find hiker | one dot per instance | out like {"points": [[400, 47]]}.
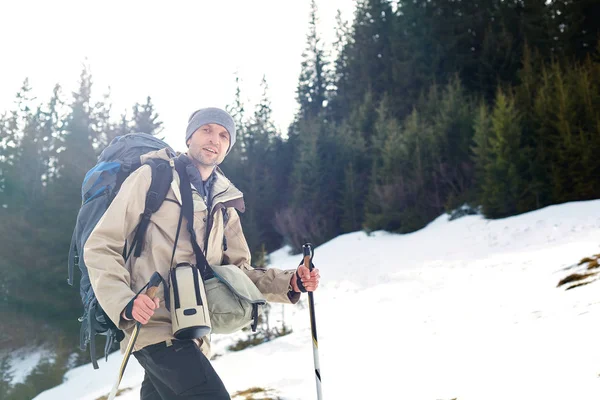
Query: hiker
{"points": [[174, 368]]}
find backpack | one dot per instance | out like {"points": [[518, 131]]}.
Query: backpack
{"points": [[100, 186]]}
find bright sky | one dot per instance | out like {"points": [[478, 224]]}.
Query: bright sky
{"points": [[466, 309], [184, 54]]}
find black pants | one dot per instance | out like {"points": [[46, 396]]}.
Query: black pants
{"points": [[179, 371]]}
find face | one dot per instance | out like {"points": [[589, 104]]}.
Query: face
{"points": [[208, 145]]}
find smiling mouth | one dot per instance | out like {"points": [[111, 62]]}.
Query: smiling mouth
{"points": [[210, 150]]}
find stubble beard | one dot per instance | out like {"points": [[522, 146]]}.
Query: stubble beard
{"points": [[199, 159]]}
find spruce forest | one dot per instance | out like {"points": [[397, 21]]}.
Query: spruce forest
{"points": [[418, 108]]}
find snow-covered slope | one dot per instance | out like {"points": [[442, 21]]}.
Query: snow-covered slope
{"points": [[467, 309]]}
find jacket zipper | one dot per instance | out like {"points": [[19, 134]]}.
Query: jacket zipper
{"points": [[209, 221]]}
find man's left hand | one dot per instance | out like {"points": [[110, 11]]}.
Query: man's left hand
{"points": [[310, 279]]}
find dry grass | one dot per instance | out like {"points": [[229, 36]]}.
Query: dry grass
{"points": [[578, 285], [255, 393], [592, 261], [120, 391], [575, 278], [584, 277]]}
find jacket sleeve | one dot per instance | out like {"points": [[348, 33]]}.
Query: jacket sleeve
{"points": [[103, 251], [273, 283]]}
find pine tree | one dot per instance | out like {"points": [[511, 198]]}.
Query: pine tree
{"points": [[339, 104], [310, 149], [15, 230], [538, 27], [579, 31], [259, 189], [145, 118], [481, 148], [452, 126], [120, 128], [503, 185], [387, 191], [537, 193], [30, 234], [370, 59], [101, 122], [32, 164], [567, 126], [76, 152], [313, 82], [256, 166], [11, 137], [234, 163]]}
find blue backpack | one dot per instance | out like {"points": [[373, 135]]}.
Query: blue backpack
{"points": [[100, 186]]}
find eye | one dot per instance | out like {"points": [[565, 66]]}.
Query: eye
{"points": [[205, 130], [224, 136]]}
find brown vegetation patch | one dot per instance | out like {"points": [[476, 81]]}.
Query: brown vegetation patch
{"points": [[592, 262], [578, 284], [253, 392], [575, 278], [583, 277], [120, 391]]}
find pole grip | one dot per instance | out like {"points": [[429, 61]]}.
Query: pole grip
{"points": [[307, 252], [153, 285], [151, 292]]}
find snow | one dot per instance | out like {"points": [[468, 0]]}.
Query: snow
{"points": [[467, 309], [23, 361]]}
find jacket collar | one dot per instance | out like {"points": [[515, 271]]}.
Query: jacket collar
{"points": [[223, 190]]}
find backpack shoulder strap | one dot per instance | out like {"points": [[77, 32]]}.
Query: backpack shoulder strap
{"points": [[162, 175], [187, 209]]}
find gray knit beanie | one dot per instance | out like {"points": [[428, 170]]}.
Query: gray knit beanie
{"points": [[211, 115]]}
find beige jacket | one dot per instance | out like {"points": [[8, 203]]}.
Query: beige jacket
{"points": [[115, 282]]}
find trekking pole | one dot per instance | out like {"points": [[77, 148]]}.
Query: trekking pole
{"points": [[309, 253], [155, 280]]}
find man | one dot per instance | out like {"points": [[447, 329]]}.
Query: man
{"points": [[176, 369]]}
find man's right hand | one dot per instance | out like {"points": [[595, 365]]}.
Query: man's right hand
{"points": [[143, 308]]}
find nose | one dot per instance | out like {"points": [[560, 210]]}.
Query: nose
{"points": [[213, 136]]}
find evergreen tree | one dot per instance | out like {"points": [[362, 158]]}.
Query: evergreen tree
{"points": [[578, 29], [313, 82], [503, 185], [234, 163], [452, 127], [11, 137], [370, 61], [481, 148], [538, 27], [145, 118], [386, 198], [567, 128], [339, 104], [258, 166], [354, 163], [307, 164], [120, 128], [100, 122], [76, 153], [537, 192], [14, 230], [259, 184], [29, 235]]}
